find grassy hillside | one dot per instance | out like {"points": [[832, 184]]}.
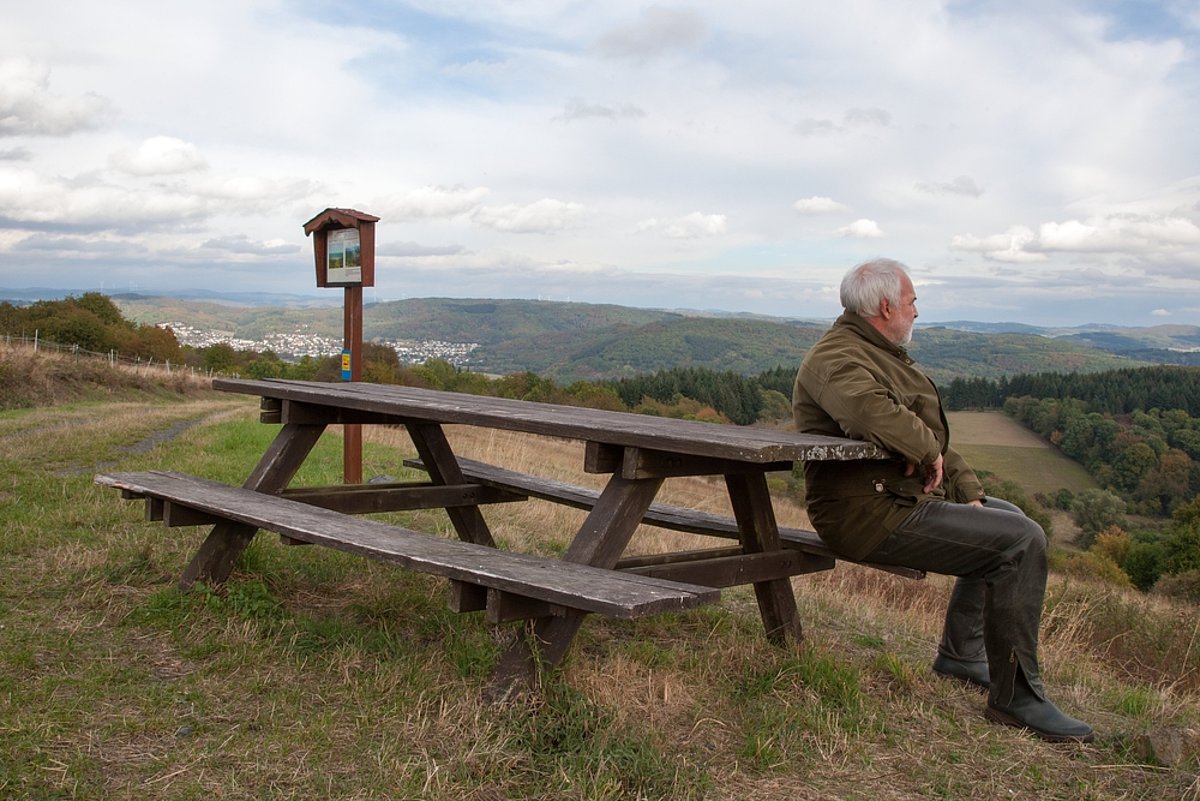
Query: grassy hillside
{"points": [[315, 674], [946, 353], [46, 378], [995, 442], [571, 341], [747, 347], [494, 321], [243, 321]]}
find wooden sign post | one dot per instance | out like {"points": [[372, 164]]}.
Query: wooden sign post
{"points": [[344, 249]]}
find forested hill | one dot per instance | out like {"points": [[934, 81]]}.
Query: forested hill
{"points": [[946, 353], [574, 341]]}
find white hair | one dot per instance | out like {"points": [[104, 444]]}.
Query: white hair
{"points": [[865, 286]]}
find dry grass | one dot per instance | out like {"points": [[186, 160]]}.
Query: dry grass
{"points": [[316, 674], [30, 378], [536, 523]]}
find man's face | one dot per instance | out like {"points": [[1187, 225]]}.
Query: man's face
{"points": [[900, 324]]}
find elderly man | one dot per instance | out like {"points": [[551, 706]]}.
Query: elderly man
{"points": [[925, 509]]}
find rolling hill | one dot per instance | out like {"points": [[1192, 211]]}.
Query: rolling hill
{"points": [[580, 341]]}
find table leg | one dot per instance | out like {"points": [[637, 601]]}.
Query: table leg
{"points": [[759, 532], [434, 450], [217, 554], [600, 542]]}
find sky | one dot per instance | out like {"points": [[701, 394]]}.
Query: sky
{"points": [[1031, 161]]}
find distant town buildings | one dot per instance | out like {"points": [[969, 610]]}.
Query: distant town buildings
{"points": [[297, 344]]}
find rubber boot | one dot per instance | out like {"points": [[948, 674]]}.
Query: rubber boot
{"points": [[973, 674], [961, 653], [1018, 701]]}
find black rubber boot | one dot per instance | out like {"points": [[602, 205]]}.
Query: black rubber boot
{"points": [[1016, 702], [961, 652], [974, 674]]}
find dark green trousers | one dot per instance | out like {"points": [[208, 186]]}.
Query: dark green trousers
{"points": [[995, 609]]}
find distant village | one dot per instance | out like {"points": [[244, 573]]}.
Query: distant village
{"points": [[297, 344]]}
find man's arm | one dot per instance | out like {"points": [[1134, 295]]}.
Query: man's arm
{"points": [[864, 409], [962, 484]]}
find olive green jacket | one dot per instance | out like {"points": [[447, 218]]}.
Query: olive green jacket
{"points": [[855, 383]]}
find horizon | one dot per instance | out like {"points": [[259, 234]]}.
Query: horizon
{"points": [[1028, 161], [321, 297]]}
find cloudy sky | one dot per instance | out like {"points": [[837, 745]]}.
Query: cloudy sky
{"points": [[1030, 160]]}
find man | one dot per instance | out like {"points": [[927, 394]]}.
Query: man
{"points": [[924, 509]]}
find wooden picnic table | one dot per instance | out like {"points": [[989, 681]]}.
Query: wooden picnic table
{"points": [[638, 452]]}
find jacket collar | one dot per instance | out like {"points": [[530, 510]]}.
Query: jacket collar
{"points": [[868, 332]]}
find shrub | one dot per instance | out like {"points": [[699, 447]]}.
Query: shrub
{"points": [[1143, 563], [1064, 499], [1095, 510], [1181, 586], [1097, 566], [1113, 543]]}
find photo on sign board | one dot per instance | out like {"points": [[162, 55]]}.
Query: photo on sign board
{"points": [[344, 258]]}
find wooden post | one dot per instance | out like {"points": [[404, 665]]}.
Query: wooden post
{"points": [[349, 263], [352, 432]]}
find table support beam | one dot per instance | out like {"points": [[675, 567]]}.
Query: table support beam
{"points": [[751, 500], [219, 552], [434, 450], [600, 542]]}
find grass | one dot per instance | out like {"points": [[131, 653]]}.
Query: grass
{"points": [[995, 442], [316, 674]]}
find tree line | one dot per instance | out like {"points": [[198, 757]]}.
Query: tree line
{"points": [[1137, 433], [93, 323], [1112, 392]]}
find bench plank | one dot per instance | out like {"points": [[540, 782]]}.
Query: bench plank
{"points": [[567, 584], [676, 518]]}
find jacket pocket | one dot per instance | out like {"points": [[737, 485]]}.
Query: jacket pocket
{"points": [[906, 491]]}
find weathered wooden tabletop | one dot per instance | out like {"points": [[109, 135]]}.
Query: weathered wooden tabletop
{"points": [[749, 444]]}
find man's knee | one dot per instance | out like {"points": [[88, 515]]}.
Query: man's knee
{"points": [[1028, 532], [1030, 539]]}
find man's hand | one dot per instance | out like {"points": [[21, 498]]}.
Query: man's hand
{"points": [[933, 473]]}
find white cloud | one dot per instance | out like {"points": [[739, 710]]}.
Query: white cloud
{"points": [[1116, 234], [1120, 234], [962, 185], [432, 202], [690, 226], [446, 119], [861, 229], [80, 246], [852, 119], [414, 250], [1010, 247], [545, 216], [817, 205], [159, 155], [1160, 313], [657, 31], [244, 245], [94, 201], [29, 108], [579, 109]]}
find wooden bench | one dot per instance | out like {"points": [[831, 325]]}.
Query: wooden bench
{"points": [[514, 585], [676, 518]]}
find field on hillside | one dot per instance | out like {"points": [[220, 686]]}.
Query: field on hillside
{"points": [[994, 442]]}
